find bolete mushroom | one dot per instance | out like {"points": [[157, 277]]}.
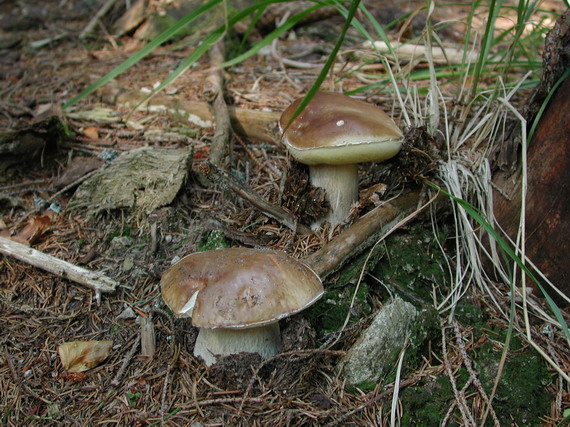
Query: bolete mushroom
{"points": [[236, 297], [332, 135]]}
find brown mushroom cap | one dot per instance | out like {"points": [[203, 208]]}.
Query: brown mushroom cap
{"points": [[239, 287], [336, 129]]}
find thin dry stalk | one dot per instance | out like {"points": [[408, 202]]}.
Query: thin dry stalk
{"points": [[228, 181], [473, 376], [459, 395], [126, 362]]}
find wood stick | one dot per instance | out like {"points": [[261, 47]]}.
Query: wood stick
{"points": [[102, 12], [274, 211], [93, 280], [418, 52], [253, 124], [215, 92], [361, 235]]}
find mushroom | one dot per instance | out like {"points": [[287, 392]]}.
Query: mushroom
{"points": [[236, 297], [332, 135]]}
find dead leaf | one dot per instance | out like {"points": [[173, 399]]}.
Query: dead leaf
{"points": [[91, 132], [35, 228], [79, 356]]}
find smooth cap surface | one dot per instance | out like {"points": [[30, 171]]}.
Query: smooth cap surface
{"points": [[239, 287], [336, 129]]}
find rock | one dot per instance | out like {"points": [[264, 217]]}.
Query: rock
{"points": [[378, 347]]}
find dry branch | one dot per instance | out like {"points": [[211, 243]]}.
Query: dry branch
{"points": [[252, 124], [360, 235], [215, 91], [419, 52], [274, 211], [93, 280], [95, 20]]}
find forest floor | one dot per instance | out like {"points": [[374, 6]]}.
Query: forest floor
{"points": [[48, 151]]}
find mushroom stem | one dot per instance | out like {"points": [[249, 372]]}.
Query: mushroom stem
{"points": [[341, 185], [220, 342]]}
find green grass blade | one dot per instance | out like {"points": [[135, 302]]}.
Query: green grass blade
{"points": [[487, 43], [132, 60], [212, 38], [286, 26], [250, 27], [378, 28]]}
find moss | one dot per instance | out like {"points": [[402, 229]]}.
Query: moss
{"points": [[213, 240], [414, 264], [329, 314], [425, 329], [522, 397], [426, 403]]}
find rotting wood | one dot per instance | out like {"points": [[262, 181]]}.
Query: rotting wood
{"points": [[93, 280], [215, 91], [361, 235], [253, 124]]}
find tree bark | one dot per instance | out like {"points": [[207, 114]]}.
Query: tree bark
{"points": [[548, 159]]}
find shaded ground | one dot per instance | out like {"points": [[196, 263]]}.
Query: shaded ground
{"points": [[40, 311]]}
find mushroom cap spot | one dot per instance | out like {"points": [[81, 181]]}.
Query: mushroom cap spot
{"points": [[239, 287], [336, 129]]}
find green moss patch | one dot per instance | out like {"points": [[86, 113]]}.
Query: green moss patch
{"points": [[414, 263], [522, 398]]}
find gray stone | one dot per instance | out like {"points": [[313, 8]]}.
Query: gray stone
{"points": [[378, 347]]}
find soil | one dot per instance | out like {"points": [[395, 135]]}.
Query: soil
{"points": [[44, 156]]}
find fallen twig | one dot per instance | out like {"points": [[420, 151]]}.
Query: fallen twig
{"points": [[473, 376], [93, 280], [276, 212], [164, 401], [44, 203], [252, 124], [215, 92], [360, 235], [126, 362], [460, 400], [95, 20]]}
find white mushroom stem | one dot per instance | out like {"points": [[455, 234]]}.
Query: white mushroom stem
{"points": [[341, 185], [214, 343]]}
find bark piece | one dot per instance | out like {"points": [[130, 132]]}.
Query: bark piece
{"points": [[141, 181], [548, 160], [548, 195]]}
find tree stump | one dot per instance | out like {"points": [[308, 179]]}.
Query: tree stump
{"points": [[548, 159]]}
